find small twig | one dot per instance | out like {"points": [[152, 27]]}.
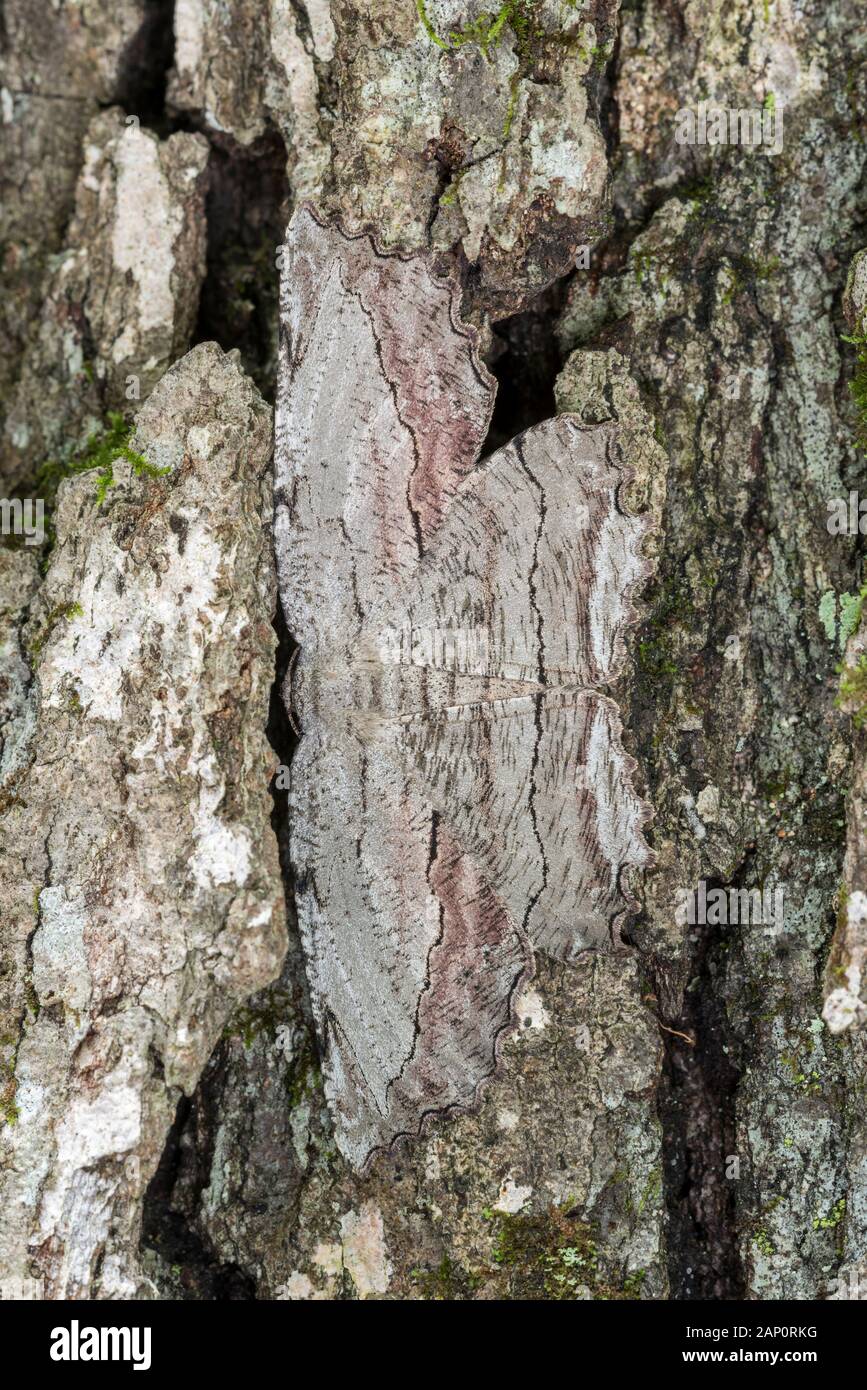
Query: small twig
{"points": [[686, 1037]]}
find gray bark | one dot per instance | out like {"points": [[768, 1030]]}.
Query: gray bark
{"points": [[683, 1118]]}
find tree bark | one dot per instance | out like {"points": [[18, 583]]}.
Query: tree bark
{"points": [[680, 1119]]}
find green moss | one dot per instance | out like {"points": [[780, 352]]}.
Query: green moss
{"points": [[651, 266], [853, 678], [652, 1190], [102, 450], [700, 195], [599, 55], [551, 1255], [763, 1243], [484, 31], [654, 661], [62, 612], [9, 1064], [428, 27], [521, 16], [850, 615], [776, 786], [698, 190], [8, 1086], [853, 691], [735, 285], [514, 91], [110, 447], [449, 197], [808, 1080], [749, 271], [833, 1219], [31, 998], [659, 434], [445, 1283], [259, 1018], [763, 269], [547, 1256], [633, 1282], [8, 1107], [306, 1078], [656, 647], [858, 384]]}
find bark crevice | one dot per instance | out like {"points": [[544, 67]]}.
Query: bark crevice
{"points": [[188, 1263], [697, 1103], [144, 66]]}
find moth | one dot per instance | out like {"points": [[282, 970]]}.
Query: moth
{"points": [[460, 797]]}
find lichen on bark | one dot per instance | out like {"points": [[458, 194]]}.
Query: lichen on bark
{"points": [[140, 894], [682, 1120]]}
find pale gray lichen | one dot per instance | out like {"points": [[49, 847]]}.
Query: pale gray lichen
{"points": [[140, 894]]}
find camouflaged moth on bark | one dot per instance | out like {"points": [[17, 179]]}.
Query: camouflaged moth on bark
{"points": [[460, 796]]}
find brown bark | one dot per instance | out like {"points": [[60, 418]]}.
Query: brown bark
{"points": [[678, 1120]]}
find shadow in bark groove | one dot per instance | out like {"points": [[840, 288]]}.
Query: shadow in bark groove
{"points": [[526, 366], [166, 1231], [144, 67], [697, 1109], [247, 212]]}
